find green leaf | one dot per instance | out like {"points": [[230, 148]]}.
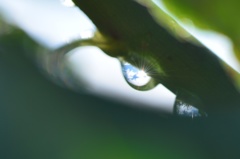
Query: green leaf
{"points": [[215, 15], [191, 71]]}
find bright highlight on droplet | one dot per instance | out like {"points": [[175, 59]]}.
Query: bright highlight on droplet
{"points": [[134, 75], [68, 3]]}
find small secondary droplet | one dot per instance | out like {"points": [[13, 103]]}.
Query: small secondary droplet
{"points": [[135, 76], [185, 110]]}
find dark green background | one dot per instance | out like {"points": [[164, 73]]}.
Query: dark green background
{"points": [[40, 120]]}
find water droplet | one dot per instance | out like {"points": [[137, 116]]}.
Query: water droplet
{"points": [[68, 3], [185, 110], [136, 77]]}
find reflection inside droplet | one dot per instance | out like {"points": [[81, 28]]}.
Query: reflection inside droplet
{"points": [[186, 110], [135, 76]]}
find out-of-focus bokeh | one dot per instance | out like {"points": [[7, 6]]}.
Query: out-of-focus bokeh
{"points": [[39, 119]]}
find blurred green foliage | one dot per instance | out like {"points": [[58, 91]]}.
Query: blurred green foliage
{"points": [[39, 119], [215, 15], [42, 120]]}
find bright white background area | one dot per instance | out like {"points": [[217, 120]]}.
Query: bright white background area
{"points": [[102, 75], [52, 24], [47, 21]]}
